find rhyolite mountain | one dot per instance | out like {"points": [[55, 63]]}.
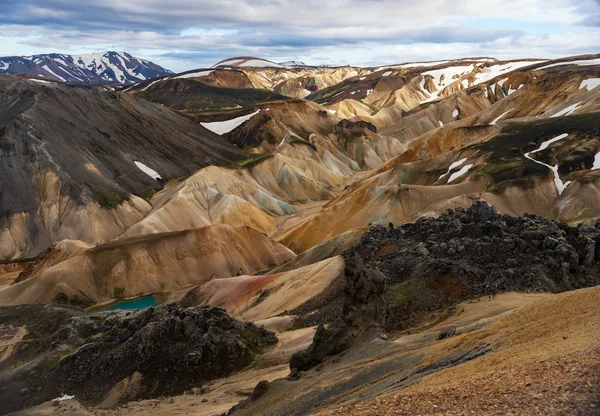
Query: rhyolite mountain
{"points": [[99, 68], [386, 223]]}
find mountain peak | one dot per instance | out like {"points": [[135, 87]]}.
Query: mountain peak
{"points": [[108, 67]]}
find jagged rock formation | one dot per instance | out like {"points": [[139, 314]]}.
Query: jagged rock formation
{"points": [[112, 357], [396, 275], [436, 262], [363, 312]]}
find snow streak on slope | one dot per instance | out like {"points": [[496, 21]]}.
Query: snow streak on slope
{"points": [[549, 142], [461, 172], [567, 111], [222, 127], [194, 74], [148, 171], [45, 67], [497, 119], [582, 62], [153, 82], [560, 186], [454, 165]]}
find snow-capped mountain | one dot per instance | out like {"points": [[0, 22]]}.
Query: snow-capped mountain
{"points": [[292, 63], [100, 68]]}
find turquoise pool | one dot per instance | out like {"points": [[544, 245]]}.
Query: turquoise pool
{"points": [[131, 304]]}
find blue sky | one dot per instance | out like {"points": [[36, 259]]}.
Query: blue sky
{"points": [[187, 34]]}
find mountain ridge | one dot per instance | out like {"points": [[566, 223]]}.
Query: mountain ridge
{"points": [[107, 67]]}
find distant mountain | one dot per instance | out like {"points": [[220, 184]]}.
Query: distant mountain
{"points": [[253, 62], [248, 61], [292, 63], [100, 68]]}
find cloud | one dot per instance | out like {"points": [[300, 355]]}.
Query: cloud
{"points": [[193, 33]]}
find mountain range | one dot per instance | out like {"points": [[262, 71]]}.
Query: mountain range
{"points": [[100, 68], [261, 238]]}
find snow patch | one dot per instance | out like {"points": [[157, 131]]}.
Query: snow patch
{"points": [[589, 84], [230, 62], [45, 68], [441, 125], [461, 172], [387, 73], [453, 165], [260, 64], [449, 76], [148, 171], [195, 74], [69, 74], [418, 64], [151, 84], [549, 142], [64, 397], [41, 81], [497, 119], [582, 62], [455, 113], [222, 127], [567, 111], [493, 71], [596, 162]]}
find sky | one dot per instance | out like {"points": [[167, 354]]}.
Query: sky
{"points": [[188, 34]]}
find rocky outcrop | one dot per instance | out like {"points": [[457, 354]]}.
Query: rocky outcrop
{"points": [[395, 277], [363, 312], [355, 127], [435, 262], [112, 357], [365, 305]]}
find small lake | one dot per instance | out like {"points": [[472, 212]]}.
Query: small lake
{"points": [[131, 304]]}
